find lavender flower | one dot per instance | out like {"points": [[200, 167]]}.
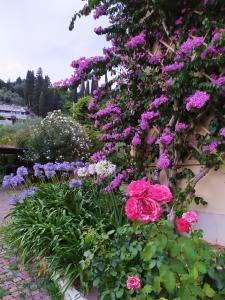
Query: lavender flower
{"points": [[75, 182], [22, 171], [6, 182], [49, 169], [38, 170], [16, 180], [198, 100]]}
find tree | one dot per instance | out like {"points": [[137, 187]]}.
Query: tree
{"points": [[29, 88], [87, 89], [94, 85], [45, 99], [38, 83], [82, 89]]}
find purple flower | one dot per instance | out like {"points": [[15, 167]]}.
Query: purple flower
{"points": [[158, 101], [99, 11], [75, 182], [166, 137], [145, 117], [207, 51], [163, 161], [189, 45], [173, 67], [219, 81], [222, 132], [211, 147], [127, 131], [180, 126], [198, 100], [49, 169], [38, 170], [22, 171], [16, 180], [20, 198], [150, 140], [98, 30], [136, 40], [6, 182], [136, 140]]}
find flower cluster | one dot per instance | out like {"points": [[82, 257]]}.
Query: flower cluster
{"points": [[183, 224], [198, 100], [166, 137], [136, 40], [21, 197], [145, 199]]}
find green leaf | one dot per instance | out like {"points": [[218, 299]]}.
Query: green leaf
{"points": [[170, 281], [209, 292], [156, 284], [119, 293], [147, 289], [175, 250], [148, 252]]}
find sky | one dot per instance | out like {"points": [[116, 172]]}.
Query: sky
{"points": [[34, 33]]}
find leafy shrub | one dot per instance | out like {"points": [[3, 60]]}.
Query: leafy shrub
{"points": [[57, 138], [82, 233], [59, 223], [168, 265], [80, 113]]}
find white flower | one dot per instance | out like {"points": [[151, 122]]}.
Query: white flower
{"points": [[92, 169], [105, 168], [82, 172]]}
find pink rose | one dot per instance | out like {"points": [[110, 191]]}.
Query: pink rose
{"points": [[149, 210], [139, 188], [190, 217], [182, 226], [132, 209], [133, 282], [160, 193]]}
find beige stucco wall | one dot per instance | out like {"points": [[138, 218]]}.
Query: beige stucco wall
{"points": [[212, 189]]}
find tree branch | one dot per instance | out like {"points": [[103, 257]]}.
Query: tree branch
{"points": [[199, 176]]}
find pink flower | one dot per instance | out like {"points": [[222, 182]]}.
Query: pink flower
{"points": [[132, 209], [198, 100], [136, 140], [139, 188], [160, 193], [222, 132], [133, 282], [182, 225], [190, 217], [149, 210]]}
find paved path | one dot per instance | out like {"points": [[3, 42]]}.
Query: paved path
{"points": [[15, 283]]}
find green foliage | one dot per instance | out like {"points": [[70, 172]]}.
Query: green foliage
{"points": [[79, 111], [17, 133], [60, 225], [170, 266], [57, 138], [82, 233]]}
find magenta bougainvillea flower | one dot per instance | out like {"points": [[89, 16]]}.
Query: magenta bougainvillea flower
{"points": [[197, 100]]}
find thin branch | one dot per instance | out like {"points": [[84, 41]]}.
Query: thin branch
{"points": [[202, 173]]}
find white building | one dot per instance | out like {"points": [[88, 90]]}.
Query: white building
{"points": [[13, 112]]}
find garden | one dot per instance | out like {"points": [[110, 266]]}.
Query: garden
{"points": [[102, 198]]}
